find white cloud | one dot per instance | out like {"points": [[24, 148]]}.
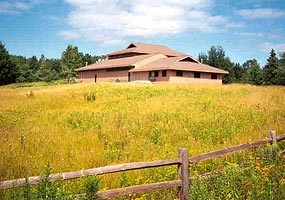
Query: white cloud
{"points": [[10, 7], [261, 13], [266, 47], [114, 20], [70, 35], [250, 34]]}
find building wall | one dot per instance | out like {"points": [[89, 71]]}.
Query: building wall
{"points": [[102, 76], [188, 77], [176, 79], [139, 76]]}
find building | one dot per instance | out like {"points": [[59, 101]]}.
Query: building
{"points": [[142, 62]]}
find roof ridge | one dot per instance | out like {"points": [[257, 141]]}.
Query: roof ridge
{"points": [[148, 44]]}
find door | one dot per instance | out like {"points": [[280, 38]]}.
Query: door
{"points": [[95, 78], [129, 76]]}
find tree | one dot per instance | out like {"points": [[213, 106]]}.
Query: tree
{"points": [[7, 68], [33, 69], [216, 57], [270, 69], [44, 69], [89, 59], [252, 73], [70, 60], [50, 69], [280, 71], [21, 67], [237, 72], [203, 58]]}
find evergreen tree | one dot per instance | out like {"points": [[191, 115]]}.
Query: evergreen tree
{"points": [[270, 69], [50, 69], [7, 68], [44, 69], [280, 71], [237, 72], [56, 72], [34, 69], [70, 60], [22, 68], [252, 73]]}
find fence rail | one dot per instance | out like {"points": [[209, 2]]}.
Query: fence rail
{"points": [[182, 161]]}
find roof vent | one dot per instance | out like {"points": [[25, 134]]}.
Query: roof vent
{"points": [[188, 59], [131, 46]]}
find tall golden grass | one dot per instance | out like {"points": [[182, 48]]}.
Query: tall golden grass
{"points": [[127, 122]]}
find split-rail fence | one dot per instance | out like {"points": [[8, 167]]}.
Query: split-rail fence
{"points": [[183, 161]]}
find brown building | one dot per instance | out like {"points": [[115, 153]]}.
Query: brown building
{"points": [[142, 62]]}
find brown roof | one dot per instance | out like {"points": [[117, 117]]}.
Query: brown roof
{"points": [[177, 63], [122, 62], [136, 47], [154, 60]]}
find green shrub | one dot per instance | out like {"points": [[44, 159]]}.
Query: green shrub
{"points": [[260, 176], [44, 190], [90, 96], [91, 186]]}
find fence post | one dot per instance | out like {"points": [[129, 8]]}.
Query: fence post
{"points": [[183, 168], [272, 136]]}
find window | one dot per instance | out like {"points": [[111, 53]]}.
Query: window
{"points": [[117, 69], [150, 76], [164, 73], [197, 74], [179, 73], [214, 76], [156, 73]]}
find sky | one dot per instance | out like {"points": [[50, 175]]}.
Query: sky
{"points": [[246, 29]]}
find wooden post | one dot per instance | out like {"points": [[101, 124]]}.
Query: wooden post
{"points": [[272, 136], [183, 168]]}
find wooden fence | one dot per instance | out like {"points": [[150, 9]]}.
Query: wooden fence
{"points": [[182, 161]]}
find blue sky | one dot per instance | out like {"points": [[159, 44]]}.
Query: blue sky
{"points": [[246, 29]]}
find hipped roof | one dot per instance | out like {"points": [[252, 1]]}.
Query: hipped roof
{"points": [[122, 62], [178, 63], [155, 59], [136, 47]]}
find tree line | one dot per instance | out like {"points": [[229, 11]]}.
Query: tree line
{"points": [[250, 72], [17, 69]]}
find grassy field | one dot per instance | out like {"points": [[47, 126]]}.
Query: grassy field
{"points": [[127, 122]]}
